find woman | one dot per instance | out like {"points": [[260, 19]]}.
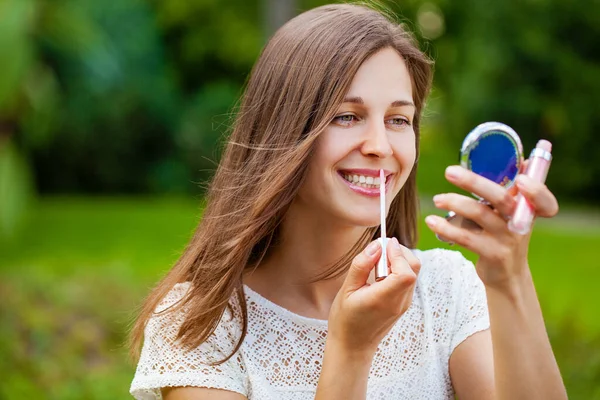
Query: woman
{"points": [[272, 297]]}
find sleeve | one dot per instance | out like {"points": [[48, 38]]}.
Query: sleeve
{"points": [[164, 362], [472, 314]]}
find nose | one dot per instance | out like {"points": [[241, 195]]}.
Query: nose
{"points": [[376, 143]]}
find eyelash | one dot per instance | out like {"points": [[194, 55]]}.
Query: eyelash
{"points": [[339, 121]]}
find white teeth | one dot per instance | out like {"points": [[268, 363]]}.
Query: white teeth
{"points": [[363, 181]]}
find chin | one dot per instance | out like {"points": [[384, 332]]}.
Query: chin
{"points": [[364, 221]]}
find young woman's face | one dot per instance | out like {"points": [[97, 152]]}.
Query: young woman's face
{"points": [[372, 130]]}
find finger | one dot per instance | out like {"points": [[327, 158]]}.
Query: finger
{"points": [[466, 238], [361, 266], [413, 262], [470, 208], [496, 195], [538, 195], [402, 275]]}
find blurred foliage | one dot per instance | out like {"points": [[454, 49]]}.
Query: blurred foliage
{"points": [[118, 102], [15, 190], [62, 339], [134, 96], [534, 65]]}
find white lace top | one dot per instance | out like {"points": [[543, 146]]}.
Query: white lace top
{"points": [[281, 355]]}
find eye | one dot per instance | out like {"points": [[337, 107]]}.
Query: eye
{"points": [[399, 121], [345, 120]]}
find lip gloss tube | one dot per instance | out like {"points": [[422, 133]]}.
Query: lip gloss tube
{"points": [[537, 168], [381, 270]]}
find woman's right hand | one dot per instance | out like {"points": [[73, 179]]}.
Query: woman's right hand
{"points": [[362, 314]]}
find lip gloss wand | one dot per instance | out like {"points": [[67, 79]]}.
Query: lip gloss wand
{"points": [[381, 271], [537, 169]]}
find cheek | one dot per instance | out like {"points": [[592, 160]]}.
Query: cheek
{"points": [[405, 152], [332, 146], [325, 154]]}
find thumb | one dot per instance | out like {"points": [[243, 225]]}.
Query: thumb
{"points": [[361, 266], [402, 260]]}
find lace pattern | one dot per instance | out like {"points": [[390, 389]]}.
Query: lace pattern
{"points": [[281, 355]]}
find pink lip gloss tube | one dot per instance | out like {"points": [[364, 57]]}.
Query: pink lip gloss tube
{"points": [[537, 168]]}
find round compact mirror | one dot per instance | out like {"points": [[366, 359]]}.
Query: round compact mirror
{"points": [[494, 151]]}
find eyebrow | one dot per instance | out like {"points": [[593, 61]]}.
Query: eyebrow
{"points": [[397, 103]]}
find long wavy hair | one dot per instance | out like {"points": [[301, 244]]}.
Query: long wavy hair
{"points": [[292, 94]]}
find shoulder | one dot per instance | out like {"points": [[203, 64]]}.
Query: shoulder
{"points": [[450, 289], [168, 316], [448, 279], [173, 310], [438, 255], [165, 361], [443, 266], [173, 297]]}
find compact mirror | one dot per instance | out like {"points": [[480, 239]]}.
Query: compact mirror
{"points": [[494, 151]]}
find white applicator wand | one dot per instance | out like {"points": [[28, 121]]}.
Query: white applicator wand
{"points": [[381, 271]]}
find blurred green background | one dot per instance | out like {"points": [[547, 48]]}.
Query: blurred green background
{"points": [[112, 116]]}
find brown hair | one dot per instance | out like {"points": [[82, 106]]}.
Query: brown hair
{"points": [[293, 92]]}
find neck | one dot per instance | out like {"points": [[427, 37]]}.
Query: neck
{"points": [[308, 245]]}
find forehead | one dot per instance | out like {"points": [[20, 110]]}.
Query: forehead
{"points": [[383, 77]]}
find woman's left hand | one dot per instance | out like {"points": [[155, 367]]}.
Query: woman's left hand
{"points": [[502, 253]]}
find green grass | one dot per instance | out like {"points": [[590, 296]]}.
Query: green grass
{"points": [[70, 285], [71, 281]]}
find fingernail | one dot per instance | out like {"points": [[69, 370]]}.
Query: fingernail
{"points": [[372, 248], [430, 220], [396, 244], [454, 172], [437, 198]]}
